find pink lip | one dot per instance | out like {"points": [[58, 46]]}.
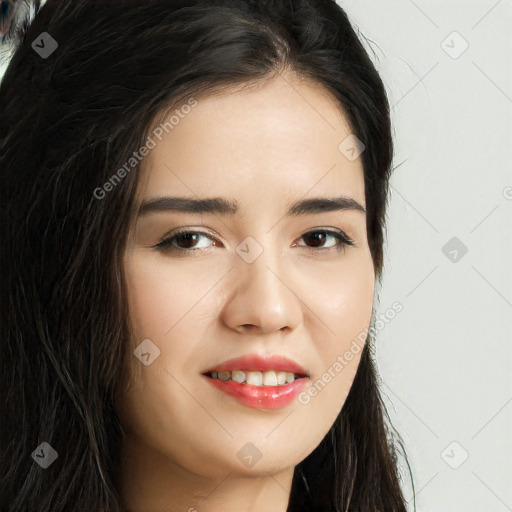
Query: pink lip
{"points": [[260, 397], [254, 362]]}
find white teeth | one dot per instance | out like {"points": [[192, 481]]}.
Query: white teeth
{"points": [[238, 376], [281, 377], [269, 379], [255, 378]]}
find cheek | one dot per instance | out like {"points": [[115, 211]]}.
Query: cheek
{"points": [[344, 307], [342, 300], [161, 304], [158, 295]]}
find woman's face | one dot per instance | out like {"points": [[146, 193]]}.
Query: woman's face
{"points": [[257, 282]]}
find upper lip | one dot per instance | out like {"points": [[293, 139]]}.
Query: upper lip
{"points": [[262, 363]]}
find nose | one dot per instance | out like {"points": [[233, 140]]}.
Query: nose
{"points": [[262, 297]]}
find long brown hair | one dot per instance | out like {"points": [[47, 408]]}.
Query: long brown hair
{"points": [[72, 118]]}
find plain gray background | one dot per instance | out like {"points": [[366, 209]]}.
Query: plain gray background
{"points": [[445, 359]]}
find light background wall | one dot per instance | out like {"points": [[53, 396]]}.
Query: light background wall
{"points": [[446, 358]]}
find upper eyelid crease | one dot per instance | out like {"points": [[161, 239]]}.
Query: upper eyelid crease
{"points": [[341, 236], [224, 206]]}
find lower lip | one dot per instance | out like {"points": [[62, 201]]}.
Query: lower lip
{"points": [[260, 397]]}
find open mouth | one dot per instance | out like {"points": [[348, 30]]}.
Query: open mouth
{"points": [[256, 378], [259, 390], [267, 381]]}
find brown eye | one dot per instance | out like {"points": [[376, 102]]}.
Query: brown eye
{"points": [[182, 241], [317, 238], [186, 241]]}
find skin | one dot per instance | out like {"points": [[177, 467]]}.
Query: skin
{"points": [[266, 147]]}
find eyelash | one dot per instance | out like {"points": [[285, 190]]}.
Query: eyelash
{"points": [[165, 244]]}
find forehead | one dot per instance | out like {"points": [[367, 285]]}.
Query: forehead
{"points": [[282, 135]]}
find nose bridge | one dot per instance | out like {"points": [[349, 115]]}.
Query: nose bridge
{"points": [[261, 278], [261, 295], [263, 272]]}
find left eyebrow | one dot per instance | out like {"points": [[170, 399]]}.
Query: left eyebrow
{"points": [[225, 206]]}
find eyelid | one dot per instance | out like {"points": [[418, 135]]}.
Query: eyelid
{"points": [[165, 244], [343, 239]]}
